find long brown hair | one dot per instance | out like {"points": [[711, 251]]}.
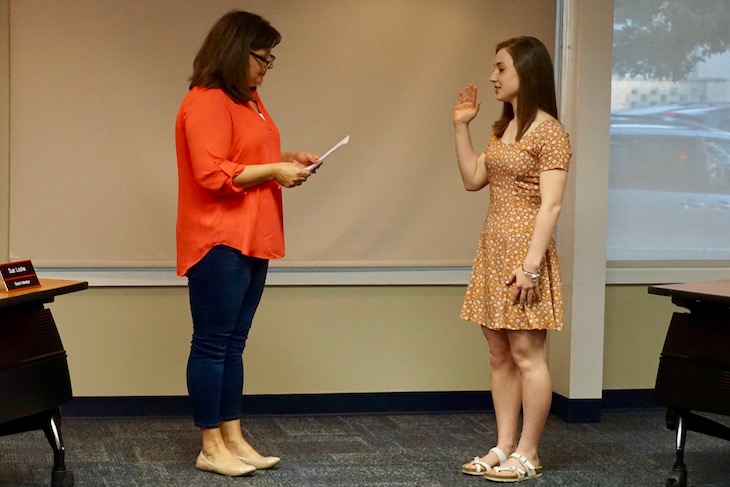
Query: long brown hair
{"points": [[537, 84], [223, 59]]}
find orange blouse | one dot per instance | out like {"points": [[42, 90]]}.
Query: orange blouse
{"points": [[215, 139]]}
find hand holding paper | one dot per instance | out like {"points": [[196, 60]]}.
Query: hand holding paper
{"points": [[339, 144]]}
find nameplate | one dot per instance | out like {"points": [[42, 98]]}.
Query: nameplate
{"points": [[18, 275]]}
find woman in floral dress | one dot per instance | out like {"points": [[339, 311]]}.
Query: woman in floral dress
{"points": [[515, 290]]}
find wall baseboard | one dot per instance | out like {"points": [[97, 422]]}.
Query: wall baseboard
{"points": [[628, 399], [576, 410], [570, 410], [291, 404]]}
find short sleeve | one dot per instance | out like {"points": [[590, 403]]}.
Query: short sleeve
{"points": [[555, 151]]}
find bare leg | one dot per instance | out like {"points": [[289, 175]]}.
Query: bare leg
{"points": [[530, 355], [506, 392]]}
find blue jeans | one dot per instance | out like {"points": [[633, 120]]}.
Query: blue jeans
{"points": [[225, 289]]}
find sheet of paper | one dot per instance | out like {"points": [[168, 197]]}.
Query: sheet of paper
{"points": [[339, 144]]}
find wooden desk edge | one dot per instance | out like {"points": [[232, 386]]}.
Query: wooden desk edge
{"points": [[48, 289], [717, 291]]}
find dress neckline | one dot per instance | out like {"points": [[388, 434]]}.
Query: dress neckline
{"points": [[539, 125]]}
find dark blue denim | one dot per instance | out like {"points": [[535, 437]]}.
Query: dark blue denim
{"points": [[225, 289]]}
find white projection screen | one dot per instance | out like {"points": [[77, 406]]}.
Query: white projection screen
{"points": [[95, 86]]}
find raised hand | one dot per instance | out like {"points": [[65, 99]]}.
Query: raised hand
{"points": [[467, 105]]}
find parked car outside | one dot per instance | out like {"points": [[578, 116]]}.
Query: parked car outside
{"points": [[712, 115], [669, 191]]}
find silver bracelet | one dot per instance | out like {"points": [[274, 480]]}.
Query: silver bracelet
{"points": [[534, 277]]}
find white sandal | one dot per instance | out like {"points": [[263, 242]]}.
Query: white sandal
{"points": [[519, 474], [478, 467]]}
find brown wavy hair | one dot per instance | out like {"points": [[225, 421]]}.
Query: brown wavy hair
{"points": [[223, 59], [537, 84]]}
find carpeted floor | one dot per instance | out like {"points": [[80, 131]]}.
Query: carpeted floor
{"points": [[630, 449]]}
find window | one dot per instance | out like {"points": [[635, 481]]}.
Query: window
{"points": [[669, 175]]}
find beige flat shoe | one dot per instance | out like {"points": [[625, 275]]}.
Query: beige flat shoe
{"points": [[203, 463], [478, 467], [262, 464]]}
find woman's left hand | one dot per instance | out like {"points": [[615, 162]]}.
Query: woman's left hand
{"points": [[526, 290], [303, 159]]}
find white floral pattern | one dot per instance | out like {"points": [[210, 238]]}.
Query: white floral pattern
{"points": [[514, 199]]}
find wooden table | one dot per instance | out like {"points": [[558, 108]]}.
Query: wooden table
{"points": [[694, 367], [34, 377]]}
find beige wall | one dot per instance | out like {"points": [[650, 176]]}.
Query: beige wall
{"points": [[134, 341], [636, 324]]}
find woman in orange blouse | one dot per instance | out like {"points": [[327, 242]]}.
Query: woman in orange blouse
{"points": [[229, 224]]}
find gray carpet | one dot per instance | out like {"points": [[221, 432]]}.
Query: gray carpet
{"points": [[624, 449]]}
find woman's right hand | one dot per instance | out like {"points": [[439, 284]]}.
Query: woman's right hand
{"points": [[290, 174], [467, 105]]}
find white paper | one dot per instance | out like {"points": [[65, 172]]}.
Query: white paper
{"points": [[339, 144]]}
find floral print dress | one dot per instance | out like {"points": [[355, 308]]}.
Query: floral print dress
{"points": [[513, 171]]}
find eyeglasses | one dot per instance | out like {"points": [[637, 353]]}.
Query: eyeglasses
{"points": [[267, 62]]}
